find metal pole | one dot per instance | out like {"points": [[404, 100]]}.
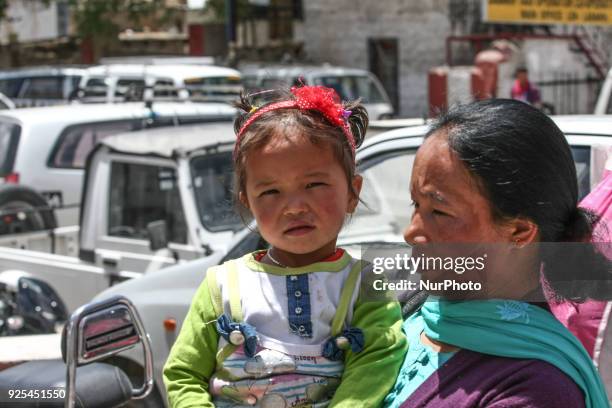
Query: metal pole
{"points": [[230, 20]]}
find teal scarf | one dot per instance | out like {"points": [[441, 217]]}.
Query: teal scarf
{"points": [[514, 329]]}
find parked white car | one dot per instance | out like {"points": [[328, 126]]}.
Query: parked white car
{"points": [[121, 82], [385, 161], [350, 83], [43, 152]]}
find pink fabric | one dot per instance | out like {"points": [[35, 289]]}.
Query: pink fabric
{"points": [[586, 320]]}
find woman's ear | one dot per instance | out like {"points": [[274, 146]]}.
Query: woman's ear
{"points": [[243, 199], [356, 183], [523, 231]]}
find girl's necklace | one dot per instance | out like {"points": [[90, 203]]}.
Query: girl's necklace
{"points": [[278, 263], [269, 253]]}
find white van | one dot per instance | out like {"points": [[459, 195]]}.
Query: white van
{"points": [[130, 82], [350, 83]]}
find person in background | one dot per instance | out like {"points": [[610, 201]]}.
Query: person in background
{"points": [[524, 90]]}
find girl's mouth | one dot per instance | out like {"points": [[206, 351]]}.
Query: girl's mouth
{"points": [[299, 230]]}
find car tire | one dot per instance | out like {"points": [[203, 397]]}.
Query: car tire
{"points": [[24, 210]]}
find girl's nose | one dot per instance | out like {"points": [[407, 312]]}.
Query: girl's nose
{"points": [[415, 234], [296, 205]]}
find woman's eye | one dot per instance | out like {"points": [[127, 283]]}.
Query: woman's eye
{"points": [[438, 212], [268, 192], [414, 204]]}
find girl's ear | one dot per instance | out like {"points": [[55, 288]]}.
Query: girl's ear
{"points": [[243, 199], [357, 183]]}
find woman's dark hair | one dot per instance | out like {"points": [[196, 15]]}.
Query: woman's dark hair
{"points": [[523, 164], [310, 123]]}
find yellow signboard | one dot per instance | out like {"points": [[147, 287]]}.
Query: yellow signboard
{"points": [[596, 12]]}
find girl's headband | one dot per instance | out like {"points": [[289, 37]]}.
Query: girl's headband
{"points": [[318, 98]]}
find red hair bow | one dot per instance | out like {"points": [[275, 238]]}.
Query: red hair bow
{"points": [[318, 98]]}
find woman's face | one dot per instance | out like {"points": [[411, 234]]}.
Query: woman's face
{"points": [[449, 208], [453, 219]]}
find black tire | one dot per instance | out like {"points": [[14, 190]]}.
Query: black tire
{"points": [[24, 210]]}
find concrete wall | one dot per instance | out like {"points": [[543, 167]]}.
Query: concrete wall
{"points": [[338, 31], [29, 21]]}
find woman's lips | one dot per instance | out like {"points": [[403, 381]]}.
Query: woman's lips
{"points": [[299, 230]]}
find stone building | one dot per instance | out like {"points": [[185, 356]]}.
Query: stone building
{"points": [[401, 40], [398, 40]]}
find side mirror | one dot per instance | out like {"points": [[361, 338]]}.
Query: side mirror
{"points": [[98, 330], [158, 235]]}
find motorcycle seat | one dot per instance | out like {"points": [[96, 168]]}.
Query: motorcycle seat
{"points": [[98, 385]]}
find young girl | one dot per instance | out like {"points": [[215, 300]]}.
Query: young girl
{"points": [[290, 327]]}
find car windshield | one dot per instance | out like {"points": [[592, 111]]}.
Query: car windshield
{"points": [[384, 208], [353, 87], [9, 137], [213, 182]]}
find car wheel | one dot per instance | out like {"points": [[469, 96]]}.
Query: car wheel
{"points": [[23, 210]]}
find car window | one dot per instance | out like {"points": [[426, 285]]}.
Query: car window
{"points": [[165, 87], [353, 87], [582, 160], [130, 88], [95, 87], [51, 87], [385, 204], [75, 142], [141, 194], [214, 88], [213, 182], [9, 139], [10, 87], [250, 82]]}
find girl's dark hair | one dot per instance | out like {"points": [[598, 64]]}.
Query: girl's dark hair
{"points": [[310, 122], [523, 164]]}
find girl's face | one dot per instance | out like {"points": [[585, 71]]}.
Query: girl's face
{"points": [[298, 194]]}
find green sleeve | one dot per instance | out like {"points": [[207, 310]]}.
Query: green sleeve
{"points": [[370, 374], [192, 359]]}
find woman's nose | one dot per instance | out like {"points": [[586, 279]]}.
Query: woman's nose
{"points": [[415, 234]]}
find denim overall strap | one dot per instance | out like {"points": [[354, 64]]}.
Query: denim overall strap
{"points": [[345, 299]]}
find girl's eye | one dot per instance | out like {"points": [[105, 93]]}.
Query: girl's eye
{"points": [[315, 184], [414, 204], [268, 192]]}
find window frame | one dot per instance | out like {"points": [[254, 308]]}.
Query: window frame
{"points": [[138, 125]]}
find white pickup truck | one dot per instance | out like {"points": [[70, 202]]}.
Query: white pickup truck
{"points": [[151, 199]]}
